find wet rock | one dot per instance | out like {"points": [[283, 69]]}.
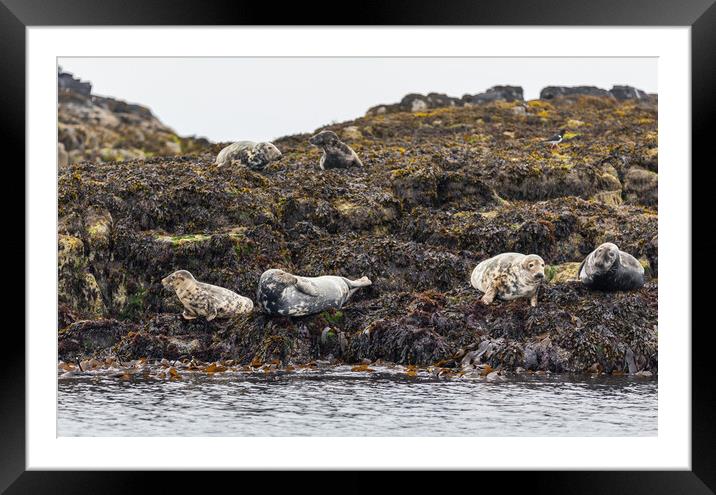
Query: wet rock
{"points": [[530, 359], [90, 338], [399, 344]]}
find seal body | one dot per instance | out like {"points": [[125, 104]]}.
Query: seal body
{"points": [[252, 155], [609, 269], [336, 153], [209, 301], [281, 293], [509, 276]]}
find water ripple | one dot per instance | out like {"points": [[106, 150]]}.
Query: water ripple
{"points": [[358, 405]]}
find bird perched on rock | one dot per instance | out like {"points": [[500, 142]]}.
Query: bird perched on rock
{"points": [[556, 139]]}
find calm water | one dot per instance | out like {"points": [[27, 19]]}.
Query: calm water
{"points": [[345, 403]]}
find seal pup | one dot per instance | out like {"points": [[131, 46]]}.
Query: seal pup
{"points": [[336, 153], [252, 155], [609, 269], [509, 276], [281, 293], [209, 301]]}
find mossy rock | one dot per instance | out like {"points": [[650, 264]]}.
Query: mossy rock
{"points": [[565, 272]]}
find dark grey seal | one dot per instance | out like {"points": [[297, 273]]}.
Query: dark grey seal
{"points": [[209, 301], [609, 269], [252, 155], [280, 293], [336, 153]]}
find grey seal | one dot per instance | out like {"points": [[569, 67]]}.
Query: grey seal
{"points": [[336, 153], [281, 293], [609, 269], [509, 276], [209, 301], [252, 155]]}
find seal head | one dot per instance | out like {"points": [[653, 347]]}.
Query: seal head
{"points": [[608, 268], [533, 268], [336, 153], [178, 279], [604, 257]]}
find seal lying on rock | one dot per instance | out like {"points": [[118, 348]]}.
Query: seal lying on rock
{"points": [[509, 276], [209, 301], [252, 155], [336, 153], [280, 293], [609, 269]]}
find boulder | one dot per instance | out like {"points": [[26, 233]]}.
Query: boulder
{"points": [[627, 93], [641, 186], [495, 93], [551, 92]]}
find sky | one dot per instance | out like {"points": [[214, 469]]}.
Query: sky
{"points": [[260, 99]]}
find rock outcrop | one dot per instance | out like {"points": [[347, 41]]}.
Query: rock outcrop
{"points": [[415, 102], [554, 91], [104, 129], [618, 92], [496, 93], [443, 188]]}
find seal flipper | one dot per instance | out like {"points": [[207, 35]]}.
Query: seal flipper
{"points": [[357, 284], [579, 272], [630, 261], [489, 295], [211, 310], [306, 287]]}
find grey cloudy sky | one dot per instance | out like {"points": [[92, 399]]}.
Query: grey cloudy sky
{"points": [[230, 99]]}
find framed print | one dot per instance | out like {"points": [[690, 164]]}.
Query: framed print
{"points": [[426, 231]]}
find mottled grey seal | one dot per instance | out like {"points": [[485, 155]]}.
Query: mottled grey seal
{"points": [[280, 293], [336, 153], [509, 276], [252, 155], [609, 269], [209, 301]]}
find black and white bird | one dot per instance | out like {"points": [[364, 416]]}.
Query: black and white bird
{"points": [[556, 139]]}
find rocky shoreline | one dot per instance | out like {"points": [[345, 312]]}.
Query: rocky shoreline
{"points": [[442, 189]]}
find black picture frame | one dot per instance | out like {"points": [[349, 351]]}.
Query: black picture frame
{"points": [[700, 15]]}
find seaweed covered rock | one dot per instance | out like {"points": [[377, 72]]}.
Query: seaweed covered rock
{"points": [[443, 188], [571, 330]]}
